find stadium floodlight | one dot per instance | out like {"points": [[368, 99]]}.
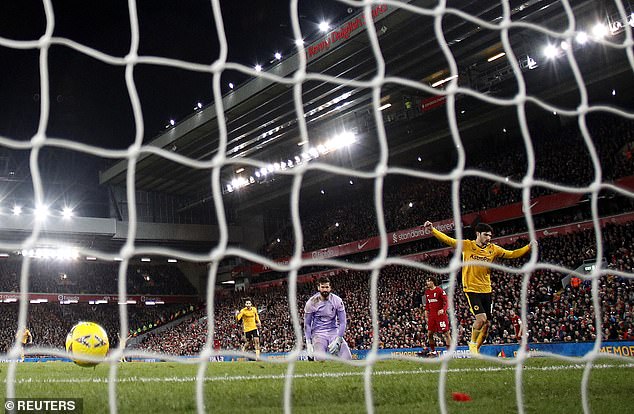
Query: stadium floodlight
{"points": [[599, 31], [324, 26], [67, 212], [229, 282], [239, 170], [564, 45], [258, 68], [172, 261], [299, 42], [613, 92], [146, 259], [384, 107], [172, 122], [411, 204], [198, 106], [337, 224], [351, 182], [230, 85], [442, 81], [551, 51], [16, 210], [278, 240], [322, 192], [118, 259], [420, 159], [278, 56], [581, 38], [494, 57], [91, 258]]}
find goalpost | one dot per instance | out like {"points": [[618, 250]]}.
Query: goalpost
{"points": [[491, 36]]}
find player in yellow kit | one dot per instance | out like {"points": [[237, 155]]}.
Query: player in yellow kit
{"points": [[25, 337], [476, 280], [250, 323]]}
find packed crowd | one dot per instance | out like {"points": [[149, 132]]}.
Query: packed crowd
{"points": [[555, 311], [50, 323], [408, 202], [48, 276]]}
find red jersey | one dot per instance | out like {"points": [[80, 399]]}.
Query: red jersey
{"points": [[436, 299], [517, 323]]}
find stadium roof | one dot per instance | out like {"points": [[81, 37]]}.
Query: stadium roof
{"points": [[262, 119]]}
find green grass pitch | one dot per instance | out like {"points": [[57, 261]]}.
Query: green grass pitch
{"points": [[549, 386]]}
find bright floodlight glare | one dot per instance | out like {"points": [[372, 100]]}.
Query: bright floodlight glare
{"points": [[172, 122], [383, 107], [41, 212], [564, 45], [613, 92], [351, 182], [278, 56], [599, 31], [550, 51], [299, 42], [344, 139], [258, 68], [67, 212], [16, 210], [411, 204], [324, 26], [323, 192], [230, 85], [581, 38]]}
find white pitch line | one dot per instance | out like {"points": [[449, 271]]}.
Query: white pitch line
{"points": [[308, 375]]}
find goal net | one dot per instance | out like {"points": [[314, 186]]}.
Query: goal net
{"points": [[516, 114]]}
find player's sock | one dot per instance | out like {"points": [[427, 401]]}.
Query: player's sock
{"points": [[475, 333], [432, 346], [484, 332], [257, 354]]}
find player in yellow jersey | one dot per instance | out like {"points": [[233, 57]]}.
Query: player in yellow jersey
{"points": [[25, 337], [250, 324], [476, 279]]}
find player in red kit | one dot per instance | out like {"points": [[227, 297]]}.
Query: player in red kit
{"points": [[436, 313], [517, 325]]}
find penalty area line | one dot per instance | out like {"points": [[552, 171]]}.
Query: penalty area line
{"points": [[173, 379]]}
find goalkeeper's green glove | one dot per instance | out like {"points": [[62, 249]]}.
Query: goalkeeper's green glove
{"points": [[335, 346]]}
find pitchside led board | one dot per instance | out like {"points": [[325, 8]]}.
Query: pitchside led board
{"points": [[568, 349]]}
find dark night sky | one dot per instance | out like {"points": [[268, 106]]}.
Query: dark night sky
{"points": [[89, 100]]}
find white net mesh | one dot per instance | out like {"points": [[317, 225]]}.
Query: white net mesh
{"points": [[504, 20]]}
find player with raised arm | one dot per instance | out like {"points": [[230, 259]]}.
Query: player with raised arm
{"points": [[325, 323], [436, 304], [250, 324], [476, 279]]}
